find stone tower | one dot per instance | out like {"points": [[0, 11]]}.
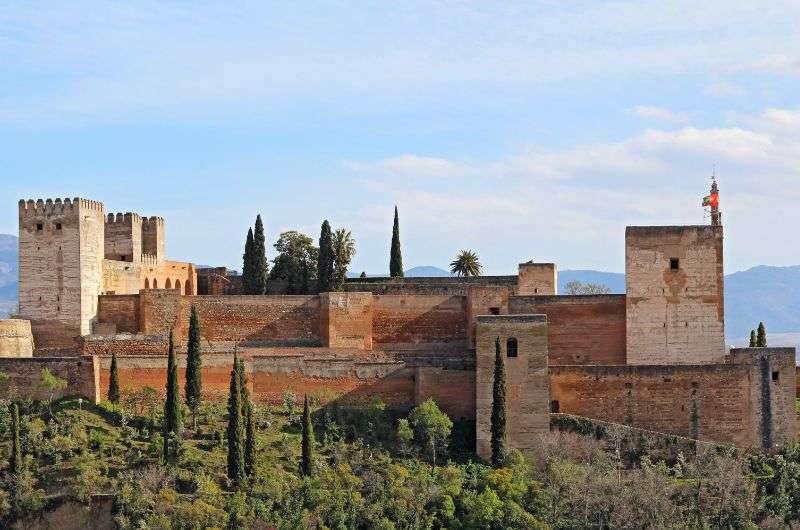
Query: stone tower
{"points": [[153, 238], [123, 237], [61, 250]]}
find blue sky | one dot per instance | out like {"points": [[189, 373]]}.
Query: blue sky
{"points": [[533, 130]]}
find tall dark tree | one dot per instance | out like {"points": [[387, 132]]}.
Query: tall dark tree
{"points": [[172, 405], [296, 262], [325, 259], [306, 462], [194, 385], [498, 408], [247, 264], [260, 266], [396, 257], [113, 384], [15, 459], [753, 340], [761, 336], [248, 422], [235, 431]]}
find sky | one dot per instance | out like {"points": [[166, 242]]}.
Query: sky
{"points": [[520, 130]]}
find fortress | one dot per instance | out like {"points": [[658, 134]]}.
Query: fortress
{"points": [[654, 358]]}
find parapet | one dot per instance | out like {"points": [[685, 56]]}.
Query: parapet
{"points": [[152, 222], [127, 219], [39, 207]]}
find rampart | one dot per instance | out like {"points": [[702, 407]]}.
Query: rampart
{"points": [[444, 286], [24, 376], [16, 339]]}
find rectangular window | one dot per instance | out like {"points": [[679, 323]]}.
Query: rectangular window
{"points": [[58, 226], [554, 406], [494, 310], [674, 264], [775, 376], [39, 227]]}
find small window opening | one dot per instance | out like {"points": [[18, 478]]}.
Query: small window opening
{"points": [[39, 227], [535, 290], [58, 226], [674, 264], [776, 376], [511, 347], [554, 406], [494, 310]]}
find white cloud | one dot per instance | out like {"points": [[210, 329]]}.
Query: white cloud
{"points": [[724, 90], [412, 166], [650, 112]]}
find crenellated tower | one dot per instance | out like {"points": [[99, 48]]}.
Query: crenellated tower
{"points": [[123, 237], [153, 238]]}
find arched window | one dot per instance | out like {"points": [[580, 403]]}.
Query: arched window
{"points": [[178, 286], [168, 285], [155, 283], [146, 283], [511, 347]]}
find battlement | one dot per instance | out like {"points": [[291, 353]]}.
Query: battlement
{"points": [[150, 260], [126, 219], [152, 222], [58, 206]]}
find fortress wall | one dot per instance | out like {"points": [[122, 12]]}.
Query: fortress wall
{"points": [[537, 278], [16, 338], [123, 344], [346, 320], [121, 311], [25, 376], [440, 286], [720, 402], [421, 319], [581, 329], [453, 390], [121, 277]]}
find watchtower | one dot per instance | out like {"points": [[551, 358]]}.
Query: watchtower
{"points": [[61, 250], [153, 238], [123, 237]]}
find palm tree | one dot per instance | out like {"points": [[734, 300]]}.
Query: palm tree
{"points": [[466, 264], [344, 248]]}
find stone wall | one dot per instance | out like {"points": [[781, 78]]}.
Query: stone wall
{"points": [[123, 344], [537, 278], [121, 311], [484, 300], [441, 286], [675, 301], [453, 390], [418, 320], [527, 382], [121, 277], [24, 376], [123, 237], [588, 329], [16, 338], [346, 320], [729, 403]]}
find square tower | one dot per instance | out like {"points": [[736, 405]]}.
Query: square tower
{"points": [[674, 294], [523, 347], [537, 278], [153, 238], [123, 237], [61, 249]]}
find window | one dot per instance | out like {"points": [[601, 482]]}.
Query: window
{"points": [[554, 406], [494, 310], [776, 376], [674, 264], [58, 226], [39, 227], [511, 347]]}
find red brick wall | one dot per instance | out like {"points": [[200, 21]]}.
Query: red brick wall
{"points": [[581, 329], [713, 401], [453, 390], [24, 376], [418, 319], [120, 310]]}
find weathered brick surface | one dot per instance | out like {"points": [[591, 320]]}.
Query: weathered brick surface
{"points": [[444, 286], [537, 278], [25, 376], [120, 310], [16, 338], [346, 320], [123, 344], [721, 402], [418, 319], [674, 316], [453, 390], [484, 300], [580, 329], [527, 385]]}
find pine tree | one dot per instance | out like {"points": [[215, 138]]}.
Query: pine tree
{"points": [[15, 460], [396, 257], [753, 341], [325, 277], [235, 432], [172, 405], [248, 422], [247, 264], [260, 267], [306, 466], [761, 337], [113, 384], [498, 408], [194, 385]]}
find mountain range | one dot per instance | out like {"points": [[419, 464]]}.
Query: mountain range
{"points": [[763, 293]]}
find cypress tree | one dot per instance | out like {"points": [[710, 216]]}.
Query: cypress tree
{"points": [[308, 440], [235, 432], [172, 406], [247, 264], [325, 259], [259, 259], [753, 340], [761, 338], [396, 257], [249, 424], [15, 460], [113, 384], [194, 385], [498, 408]]}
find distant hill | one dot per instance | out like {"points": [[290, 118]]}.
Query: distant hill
{"points": [[426, 271]]}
